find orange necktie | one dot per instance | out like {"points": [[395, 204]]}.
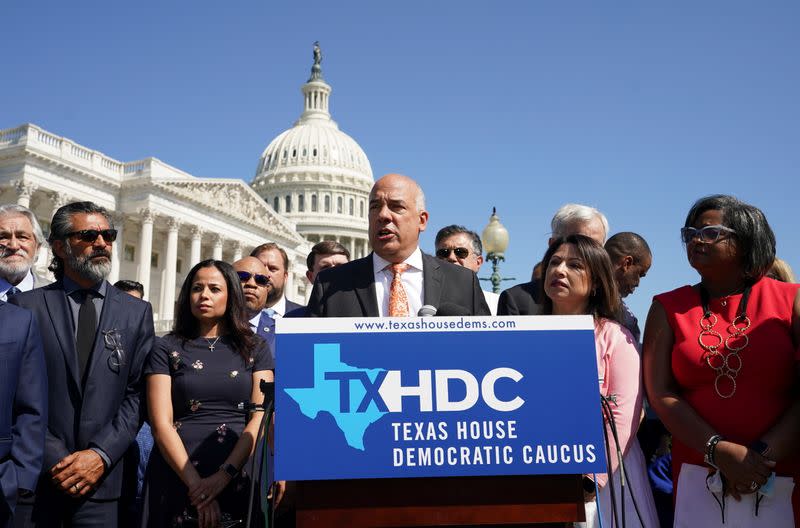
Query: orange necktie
{"points": [[398, 300]]}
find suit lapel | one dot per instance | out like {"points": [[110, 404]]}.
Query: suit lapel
{"points": [[266, 329], [59, 311], [364, 286], [431, 280], [108, 321]]}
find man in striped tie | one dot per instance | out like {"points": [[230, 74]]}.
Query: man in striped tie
{"points": [[397, 278]]}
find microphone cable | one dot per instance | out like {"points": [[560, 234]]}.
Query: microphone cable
{"points": [[608, 414], [263, 428]]}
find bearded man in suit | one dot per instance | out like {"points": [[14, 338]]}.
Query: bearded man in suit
{"points": [[396, 279], [96, 339]]}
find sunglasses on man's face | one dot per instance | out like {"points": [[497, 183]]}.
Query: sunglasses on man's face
{"points": [[461, 252], [708, 234], [261, 280], [90, 235]]}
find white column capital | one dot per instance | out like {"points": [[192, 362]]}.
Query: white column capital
{"points": [[58, 200], [24, 190], [218, 240], [197, 232], [147, 214], [173, 224]]}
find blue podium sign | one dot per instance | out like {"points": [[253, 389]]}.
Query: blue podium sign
{"points": [[436, 397]]}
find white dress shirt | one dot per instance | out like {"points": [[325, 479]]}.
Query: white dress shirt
{"points": [[25, 284], [279, 307], [411, 278], [491, 299], [254, 322]]}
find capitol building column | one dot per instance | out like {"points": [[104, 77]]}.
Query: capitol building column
{"points": [[145, 250], [117, 248], [197, 243], [24, 192], [237, 251], [217, 253], [167, 311], [57, 200]]}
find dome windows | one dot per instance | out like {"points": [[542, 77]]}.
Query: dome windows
{"points": [[276, 204], [327, 203], [314, 205], [352, 207], [339, 205], [301, 203]]}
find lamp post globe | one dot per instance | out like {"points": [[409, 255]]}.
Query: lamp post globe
{"points": [[495, 243]]}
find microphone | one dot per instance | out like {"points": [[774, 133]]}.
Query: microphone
{"points": [[452, 309], [268, 390], [427, 311]]}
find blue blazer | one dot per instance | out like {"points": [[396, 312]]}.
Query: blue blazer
{"points": [[23, 403], [108, 410]]}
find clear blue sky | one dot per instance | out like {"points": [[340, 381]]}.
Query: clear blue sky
{"points": [[635, 108]]}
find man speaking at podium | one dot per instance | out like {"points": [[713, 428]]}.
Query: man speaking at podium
{"points": [[396, 279]]}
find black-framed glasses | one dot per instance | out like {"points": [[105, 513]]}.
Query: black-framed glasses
{"points": [[90, 235], [261, 280], [461, 252], [708, 234], [113, 340]]}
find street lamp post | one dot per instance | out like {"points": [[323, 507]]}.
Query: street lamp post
{"points": [[495, 242]]}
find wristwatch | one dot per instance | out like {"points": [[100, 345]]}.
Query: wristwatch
{"points": [[711, 446], [230, 469]]}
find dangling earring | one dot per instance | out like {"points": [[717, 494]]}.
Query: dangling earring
{"points": [[594, 292]]}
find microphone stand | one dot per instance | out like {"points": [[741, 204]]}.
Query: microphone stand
{"points": [[267, 389]]}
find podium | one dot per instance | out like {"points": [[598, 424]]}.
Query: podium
{"points": [[445, 501], [450, 422]]}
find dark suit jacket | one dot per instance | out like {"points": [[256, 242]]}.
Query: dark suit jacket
{"points": [[23, 403], [349, 290], [291, 306], [107, 412], [520, 300], [297, 312], [266, 331]]}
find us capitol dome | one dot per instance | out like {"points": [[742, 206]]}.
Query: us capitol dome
{"points": [[316, 175]]}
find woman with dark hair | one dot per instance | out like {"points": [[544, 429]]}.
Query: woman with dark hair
{"points": [[578, 280], [196, 376], [720, 368]]}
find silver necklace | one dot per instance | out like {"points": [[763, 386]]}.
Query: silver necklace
{"points": [[211, 345]]}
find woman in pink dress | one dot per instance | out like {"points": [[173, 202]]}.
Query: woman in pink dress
{"points": [[578, 281]]}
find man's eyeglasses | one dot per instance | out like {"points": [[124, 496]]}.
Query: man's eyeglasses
{"points": [[90, 235], [113, 340], [261, 280], [461, 252], [708, 234]]}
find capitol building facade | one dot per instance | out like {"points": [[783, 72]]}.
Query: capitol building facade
{"points": [[312, 184]]}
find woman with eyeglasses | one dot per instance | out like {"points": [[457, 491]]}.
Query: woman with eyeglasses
{"points": [[578, 280], [196, 376], [721, 370]]}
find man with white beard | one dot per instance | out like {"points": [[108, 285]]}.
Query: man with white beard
{"points": [[20, 240], [96, 339]]}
